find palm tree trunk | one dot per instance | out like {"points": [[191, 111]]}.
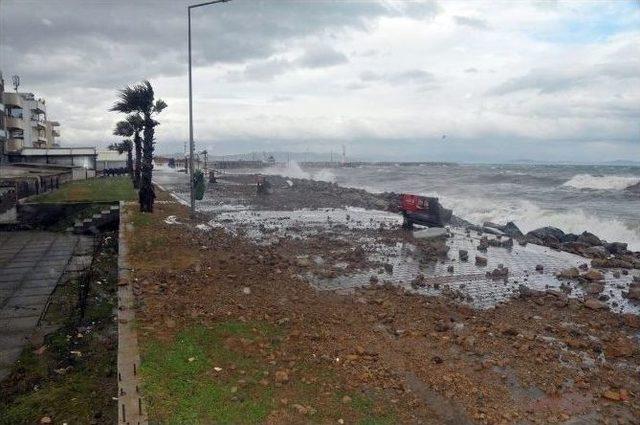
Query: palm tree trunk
{"points": [[138, 145], [130, 162], [146, 194]]}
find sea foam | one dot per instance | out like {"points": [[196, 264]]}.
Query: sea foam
{"points": [[587, 181]]}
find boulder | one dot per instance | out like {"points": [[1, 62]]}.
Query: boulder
{"points": [[616, 247], [547, 234], [593, 275], [571, 273], [594, 288], [634, 292], [634, 188], [595, 252], [589, 239], [481, 261], [611, 263], [594, 304], [510, 229], [569, 237], [463, 254]]}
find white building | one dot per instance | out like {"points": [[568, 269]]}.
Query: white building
{"points": [[26, 122]]}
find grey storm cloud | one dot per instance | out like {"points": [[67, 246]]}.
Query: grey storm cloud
{"points": [[322, 56], [106, 43], [548, 81], [471, 22], [314, 57]]}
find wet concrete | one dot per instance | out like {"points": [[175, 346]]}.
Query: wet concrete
{"points": [[31, 265]]}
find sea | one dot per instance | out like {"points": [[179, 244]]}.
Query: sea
{"points": [[574, 198]]}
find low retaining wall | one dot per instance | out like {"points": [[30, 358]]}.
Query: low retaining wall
{"points": [[46, 214], [131, 408]]}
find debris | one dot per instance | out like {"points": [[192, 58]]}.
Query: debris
{"points": [[481, 261]]}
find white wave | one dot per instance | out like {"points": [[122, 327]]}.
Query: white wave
{"points": [[295, 171], [528, 216], [587, 181]]}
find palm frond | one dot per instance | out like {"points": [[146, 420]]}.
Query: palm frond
{"points": [[123, 128], [159, 106]]}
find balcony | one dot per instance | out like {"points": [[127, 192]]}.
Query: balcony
{"points": [[13, 99], [14, 145], [55, 133], [38, 123], [13, 122]]}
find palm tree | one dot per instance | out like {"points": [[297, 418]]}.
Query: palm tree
{"points": [[122, 147], [140, 100], [125, 129], [136, 123]]}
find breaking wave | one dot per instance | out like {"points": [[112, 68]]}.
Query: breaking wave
{"points": [[587, 181], [528, 216], [294, 170]]}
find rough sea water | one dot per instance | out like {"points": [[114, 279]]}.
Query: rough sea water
{"points": [[572, 198]]}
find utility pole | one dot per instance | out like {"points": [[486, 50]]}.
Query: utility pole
{"points": [[191, 144]]}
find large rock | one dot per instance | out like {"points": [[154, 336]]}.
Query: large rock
{"points": [[594, 304], [634, 292], [595, 252], [512, 230], [593, 275], [616, 247], [589, 239], [635, 188], [571, 273], [548, 235]]}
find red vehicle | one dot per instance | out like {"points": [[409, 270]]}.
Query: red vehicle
{"points": [[423, 210]]}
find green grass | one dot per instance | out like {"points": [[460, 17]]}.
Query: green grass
{"points": [[109, 189], [180, 391], [83, 393]]}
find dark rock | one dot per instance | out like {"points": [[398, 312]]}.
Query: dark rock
{"points": [[571, 273], [595, 252], [510, 229], [463, 254], [611, 263], [634, 188], [569, 237], [589, 239], [481, 261], [616, 247], [547, 234]]}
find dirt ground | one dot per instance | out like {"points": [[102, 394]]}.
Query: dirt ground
{"points": [[220, 314]]}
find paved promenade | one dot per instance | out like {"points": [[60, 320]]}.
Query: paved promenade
{"points": [[31, 264]]}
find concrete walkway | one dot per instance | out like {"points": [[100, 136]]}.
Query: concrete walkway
{"points": [[31, 264]]}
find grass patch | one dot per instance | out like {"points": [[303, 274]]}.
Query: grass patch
{"points": [[181, 391], [108, 189], [58, 383]]}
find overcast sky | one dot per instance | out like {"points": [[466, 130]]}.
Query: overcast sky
{"points": [[502, 80]]}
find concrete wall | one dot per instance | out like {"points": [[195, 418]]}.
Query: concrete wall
{"points": [[45, 214]]}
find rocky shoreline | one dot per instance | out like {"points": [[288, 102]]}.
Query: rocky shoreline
{"points": [[544, 356]]}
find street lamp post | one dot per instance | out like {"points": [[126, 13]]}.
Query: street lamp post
{"points": [[191, 144]]}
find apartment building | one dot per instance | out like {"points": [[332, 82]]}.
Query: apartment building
{"points": [[3, 130], [26, 123]]}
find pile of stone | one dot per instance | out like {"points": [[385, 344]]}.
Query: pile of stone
{"points": [[603, 254]]}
